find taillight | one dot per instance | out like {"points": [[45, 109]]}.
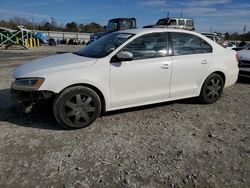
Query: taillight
{"points": [[237, 57]]}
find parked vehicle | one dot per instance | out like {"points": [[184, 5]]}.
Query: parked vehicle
{"points": [[244, 57], [214, 37], [230, 46], [235, 43], [116, 24], [177, 23], [126, 69], [246, 46]]}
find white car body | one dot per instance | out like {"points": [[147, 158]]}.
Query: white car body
{"points": [[136, 82]]}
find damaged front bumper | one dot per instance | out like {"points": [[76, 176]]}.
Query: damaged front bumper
{"points": [[29, 98]]}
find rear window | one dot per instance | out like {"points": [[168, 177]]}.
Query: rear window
{"points": [[189, 23]]}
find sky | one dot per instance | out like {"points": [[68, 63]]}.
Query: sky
{"points": [[218, 15]]}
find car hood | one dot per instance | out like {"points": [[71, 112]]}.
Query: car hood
{"points": [[244, 55], [47, 65]]}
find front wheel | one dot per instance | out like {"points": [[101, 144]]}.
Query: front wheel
{"points": [[77, 107], [212, 89]]}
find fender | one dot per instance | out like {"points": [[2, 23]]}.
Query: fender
{"points": [[64, 85]]}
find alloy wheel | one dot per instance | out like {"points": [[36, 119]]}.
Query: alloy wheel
{"points": [[79, 109], [214, 89]]}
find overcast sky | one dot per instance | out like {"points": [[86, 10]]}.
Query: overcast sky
{"points": [[221, 15]]}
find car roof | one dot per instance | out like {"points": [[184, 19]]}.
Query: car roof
{"points": [[152, 30], [175, 18], [121, 19]]}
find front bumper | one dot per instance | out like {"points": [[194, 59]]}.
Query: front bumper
{"points": [[28, 97]]}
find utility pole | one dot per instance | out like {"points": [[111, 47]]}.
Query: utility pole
{"points": [[211, 29], [33, 20], [244, 29], [52, 23], [181, 14], [167, 13]]}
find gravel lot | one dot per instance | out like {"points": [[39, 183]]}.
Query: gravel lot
{"points": [[175, 144]]}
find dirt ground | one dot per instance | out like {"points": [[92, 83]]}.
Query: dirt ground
{"points": [[175, 144]]}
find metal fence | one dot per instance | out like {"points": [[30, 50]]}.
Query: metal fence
{"points": [[67, 35], [24, 37]]}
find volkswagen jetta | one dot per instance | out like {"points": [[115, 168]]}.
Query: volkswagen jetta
{"points": [[126, 69]]}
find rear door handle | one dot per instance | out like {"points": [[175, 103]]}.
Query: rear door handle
{"points": [[165, 66], [204, 62]]}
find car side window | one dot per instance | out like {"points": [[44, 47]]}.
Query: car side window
{"points": [[172, 22], [148, 46], [181, 22], [206, 48], [187, 44]]}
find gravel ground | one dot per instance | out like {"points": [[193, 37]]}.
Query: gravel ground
{"points": [[174, 144]]}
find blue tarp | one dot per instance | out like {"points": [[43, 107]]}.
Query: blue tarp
{"points": [[43, 37]]}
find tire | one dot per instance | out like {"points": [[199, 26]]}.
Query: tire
{"points": [[76, 107], [212, 89]]}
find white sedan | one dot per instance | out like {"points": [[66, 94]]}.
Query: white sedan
{"points": [[230, 46], [126, 69]]}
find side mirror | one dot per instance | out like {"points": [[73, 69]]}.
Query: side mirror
{"points": [[125, 56]]}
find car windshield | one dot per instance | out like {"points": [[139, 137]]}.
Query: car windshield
{"points": [[126, 24], [112, 25], [104, 45]]}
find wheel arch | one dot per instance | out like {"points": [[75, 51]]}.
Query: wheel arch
{"points": [[221, 73], [94, 88]]}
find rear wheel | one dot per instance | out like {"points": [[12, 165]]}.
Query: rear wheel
{"points": [[212, 89], [77, 107]]}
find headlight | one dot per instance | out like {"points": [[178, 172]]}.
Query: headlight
{"points": [[27, 84]]}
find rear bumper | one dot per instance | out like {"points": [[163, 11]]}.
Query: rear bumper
{"points": [[231, 77]]}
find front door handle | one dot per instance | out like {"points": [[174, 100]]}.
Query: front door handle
{"points": [[164, 66], [204, 62]]}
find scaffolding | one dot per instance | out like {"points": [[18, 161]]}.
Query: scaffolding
{"points": [[21, 37]]}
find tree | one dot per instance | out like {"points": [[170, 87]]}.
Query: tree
{"points": [[47, 26], [227, 35], [19, 20], [53, 23], [7, 24], [72, 27], [235, 36], [81, 27], [90, 28]]}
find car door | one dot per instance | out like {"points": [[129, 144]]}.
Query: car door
{"points": [[146, 78], [191, 59]]}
